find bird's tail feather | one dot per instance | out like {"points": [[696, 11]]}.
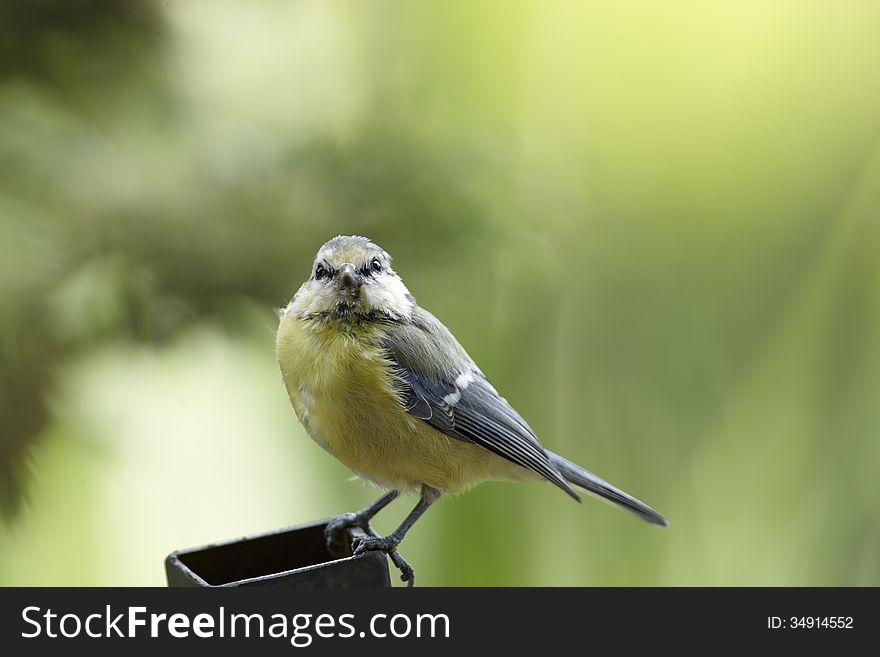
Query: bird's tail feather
{"points": [[576, 475]]}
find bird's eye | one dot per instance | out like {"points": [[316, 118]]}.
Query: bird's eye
{"points": [[321, 272], [376, 265]]}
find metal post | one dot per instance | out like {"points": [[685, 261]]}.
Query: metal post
{"points": [[295, 556]]}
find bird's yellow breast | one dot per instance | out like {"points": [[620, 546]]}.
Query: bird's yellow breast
{"points": [[343, 390]]}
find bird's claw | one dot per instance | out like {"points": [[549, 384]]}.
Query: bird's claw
{"points": [[334, 532], [388, 545], [363, 544], [407, 574]]}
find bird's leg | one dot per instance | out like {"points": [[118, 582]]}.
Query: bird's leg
{"points": [[388, 544], [335, 530]]}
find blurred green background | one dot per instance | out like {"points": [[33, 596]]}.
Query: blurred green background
{"points": [[654, 226]]}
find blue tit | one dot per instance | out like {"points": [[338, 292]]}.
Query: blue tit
{"points": [[383, 386]]}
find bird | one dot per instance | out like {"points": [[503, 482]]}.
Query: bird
{"points": [[384, 386]]}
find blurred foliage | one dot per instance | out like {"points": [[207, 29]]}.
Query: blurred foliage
{"points": [[654, 226]]}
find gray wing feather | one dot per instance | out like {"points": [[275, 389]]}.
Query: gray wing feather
{"points": [[428, 361]]}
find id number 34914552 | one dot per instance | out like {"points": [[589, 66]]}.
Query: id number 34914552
{"points": [[810, 623]]}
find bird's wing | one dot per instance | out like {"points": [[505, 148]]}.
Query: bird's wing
{"points": [[440, 384]]}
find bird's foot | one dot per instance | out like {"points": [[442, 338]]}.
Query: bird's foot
{"points": [[336, 530], [407, 574], [388, 545], [370, 543]]}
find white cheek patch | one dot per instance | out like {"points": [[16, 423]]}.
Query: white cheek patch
{"points": [[311, 299], [389, 295]]}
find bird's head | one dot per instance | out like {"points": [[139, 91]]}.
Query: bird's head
{"points": [[352, 280]]}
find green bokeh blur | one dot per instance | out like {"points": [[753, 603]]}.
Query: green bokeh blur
{"points": [[653, 225]]}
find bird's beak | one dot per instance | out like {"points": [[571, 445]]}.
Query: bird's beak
{"points": [[349, 279]]}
